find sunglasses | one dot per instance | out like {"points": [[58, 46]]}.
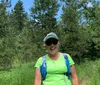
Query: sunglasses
{"points": [[51, 41]]}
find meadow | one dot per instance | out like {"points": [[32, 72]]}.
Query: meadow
{"points": [[18, 76], [88, 73]]}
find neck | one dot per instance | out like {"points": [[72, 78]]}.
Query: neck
{"points": [[54, 56]]}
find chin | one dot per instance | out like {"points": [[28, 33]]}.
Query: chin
{"points": [[53, 53]]}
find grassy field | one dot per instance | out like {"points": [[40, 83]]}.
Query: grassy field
{"points": [[19, 76], [88, 73]]}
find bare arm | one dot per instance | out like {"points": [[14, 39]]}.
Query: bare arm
{"points": [[74, 76], [37, 80]]}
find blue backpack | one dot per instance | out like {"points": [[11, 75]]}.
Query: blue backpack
{"points": [[43, 67]]}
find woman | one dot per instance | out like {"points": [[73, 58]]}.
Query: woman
{"points": [[55, 64]]}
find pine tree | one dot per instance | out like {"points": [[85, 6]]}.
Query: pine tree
{"points": [[18, 16], [70, 24], [75, 37], [44, 12], [3, 20], [91, 18], [5, 50], [95, 30]]}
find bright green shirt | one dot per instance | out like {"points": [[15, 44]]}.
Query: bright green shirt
{"points": [[55, 70]]}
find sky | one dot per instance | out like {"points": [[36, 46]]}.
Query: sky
{"points": [[26, 3]]}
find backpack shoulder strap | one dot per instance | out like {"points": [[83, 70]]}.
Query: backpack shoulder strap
{"points": [[67, 65], [44, 61], [43, 68]]}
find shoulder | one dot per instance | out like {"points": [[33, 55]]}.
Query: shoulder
{"points": [[69, 58], [67, 55], [39, 62], [39, 59]]}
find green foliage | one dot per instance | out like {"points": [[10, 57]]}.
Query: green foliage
{"points": [[6, 53], [74, 37], [25, 46], [21, 35], [79, 30], [44, 13], [94, 25], [89, 72], [18, 16], [3, 22], [23, 75], [21, 38]]}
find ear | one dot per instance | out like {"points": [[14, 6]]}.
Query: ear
{"points": [[58, 43], [44, 45]]}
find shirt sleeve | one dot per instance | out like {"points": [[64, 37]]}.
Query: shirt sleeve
{"points": [[71, 62], [38, 63]]}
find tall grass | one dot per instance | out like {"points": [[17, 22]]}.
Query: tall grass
{"points": [[88, 73], [20, 76]]}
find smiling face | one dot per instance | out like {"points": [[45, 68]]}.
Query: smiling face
{"points": [[52, 46]]}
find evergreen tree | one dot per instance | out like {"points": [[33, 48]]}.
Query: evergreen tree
{"points": [[90, 14], [3, 20], [75, 38], [70, 25], [43, 13], [95, 28], [6, 41], [18, 16]]}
